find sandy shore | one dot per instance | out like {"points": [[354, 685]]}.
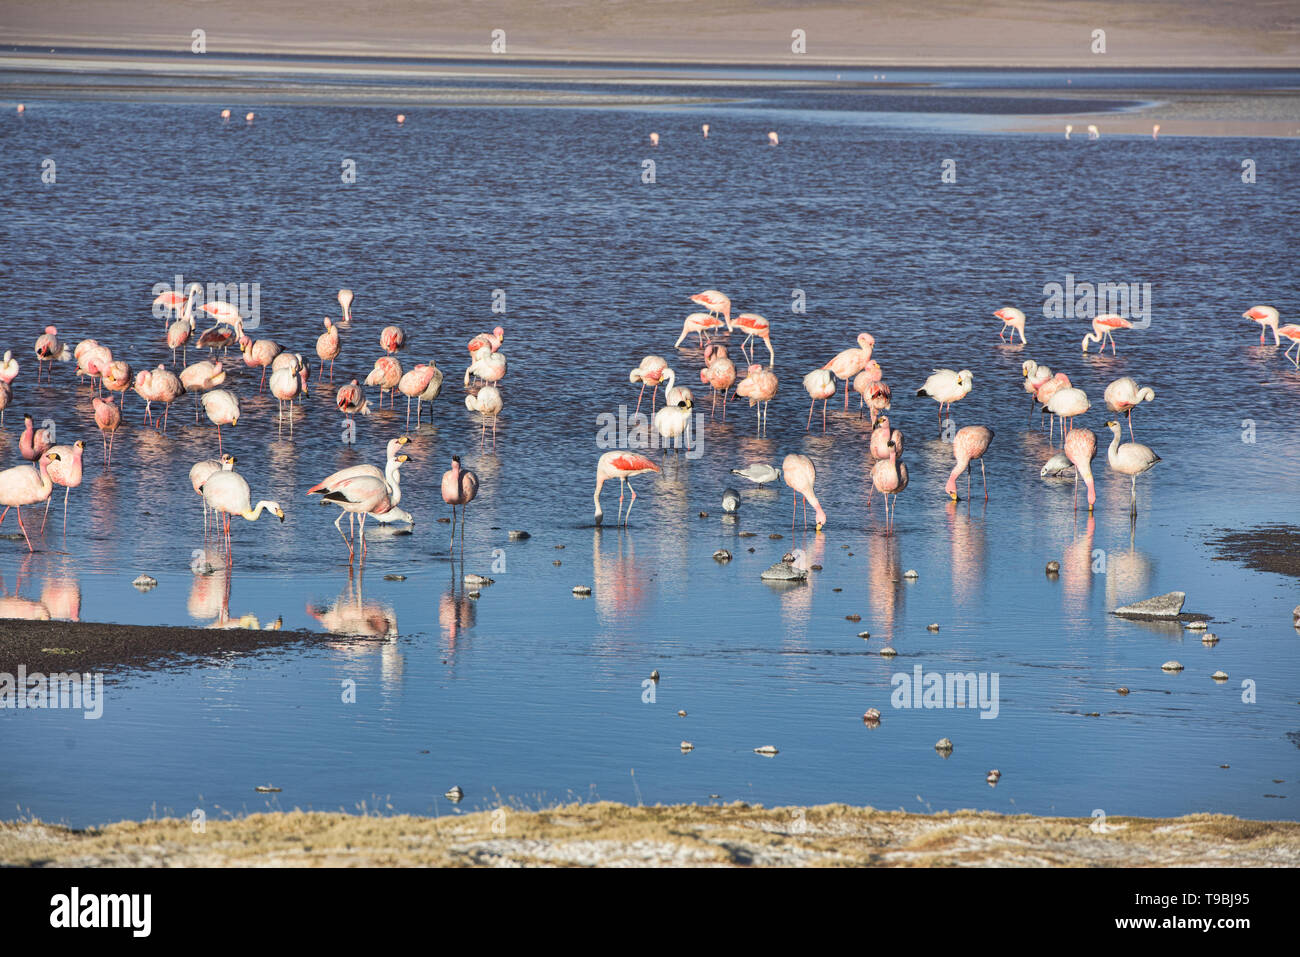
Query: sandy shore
{"points": [[1170, 33], [607, 834]]}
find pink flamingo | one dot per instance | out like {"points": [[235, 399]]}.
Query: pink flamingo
{"points": [[222, 408], [1068, 404], [623, 466], [700, 323], [1268, 318], [392, 339], [227, 494], [178, 337], [117, 378], [49, 349], [109, 418], [799, 474], [327, 347], [459, 487], [1292, 331], [649, 372], [878, 399], [487, 340], [864, 380], [228, 326], [1011, 318], [889, 477], [351, 400], [716, 303], [260, 352], [881, 436], [1043, 394], [286, 386], [345, 303], [201, 377], [386, 374], [820, 385], [1081, 448], [412, 385], [1034, 375], [8, 368], [200, 472], [718, 374], [1123, 395], [34, 442], [172, 302], [754, 325], [850, 362], [1103, 328], [25, 485], [759, 387], [431, 392], [160, 385], [970, 443], [64, 469], [93, 360]]}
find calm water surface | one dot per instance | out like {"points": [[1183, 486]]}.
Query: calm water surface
{"points": [[528, 694]]}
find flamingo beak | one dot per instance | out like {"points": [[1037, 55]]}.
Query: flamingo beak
{"points": [[820, 526], [953, 496]]}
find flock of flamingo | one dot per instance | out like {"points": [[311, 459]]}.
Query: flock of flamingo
{"points": [[374, 492]]}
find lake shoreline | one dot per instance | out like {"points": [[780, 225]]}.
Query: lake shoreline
{"points": [[606, 833]]}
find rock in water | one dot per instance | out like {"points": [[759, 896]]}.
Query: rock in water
{"points": [[455, 794], [722, 555], [1161, 606], [784, 572], [518, 535], [766, 749], [145, 582]]}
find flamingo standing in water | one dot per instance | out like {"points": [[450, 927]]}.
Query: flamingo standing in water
{"points": [[392, 339], [351, 400], [178, 337], [1080, 448], [345, 303], [799, 474], [1292, 331], [1103, 328], [649, 372], [1044, 393], [200, 472], [8, 368], [881, 436], [1268, 318], [489, 340], [970, 443], [1067, 404], [759, 387], [947, 387], [850, 362], [488, 366], [1014, 319], [700, 323], [368, 496], [889, 477], [715, 303], [486, 402], [1123, 395], [227, 494], [34, 442], [1131, 459], [117, 378], [25, 485], [431, 392], [754, 325], [200, 377], [64, 469], [386, 374], [719, 373], [160, 385], [413, 384], [109, 418], [228, 326], [820, 384], [49, 349], [259, 352], [1034, 375], [878, 398], [864, 380], [287, 386], [459, 487], [623, 466], [327, 348], [222, 408]]}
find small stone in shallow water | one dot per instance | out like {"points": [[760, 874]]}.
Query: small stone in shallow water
{"points": [[888, 652], [1172, 666], [766, 749], [145, 582], [933, 626], [454, 794], [654, 675], [267, 789], [480, 580], [559, 546], [1220, 676], [722, 555], [582, 591], [687, 746], [751, 550], [704, 514], [1053, 567], [1121, 690], [556, 562], [776, 535], [443, 520], [1196, 625], [864, 634], [852, 617], [519, 535], [1209, 638], [784, 572], [1167, 605], [911, 573], [681, 714], [1092, 714], [850, 554], [746, 534], [943, 744], [394, 578], [837, 589], [815, 568], [872, 717]]}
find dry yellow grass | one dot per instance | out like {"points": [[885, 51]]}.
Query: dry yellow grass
{"points": [[607, 834]]}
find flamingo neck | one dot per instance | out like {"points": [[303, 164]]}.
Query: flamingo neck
{"points": [[600, 482]]}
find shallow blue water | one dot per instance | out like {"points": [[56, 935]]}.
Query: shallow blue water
{"points": [[529, 694]]}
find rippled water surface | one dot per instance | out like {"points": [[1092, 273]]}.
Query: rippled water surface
{"points": [[529, 694]]}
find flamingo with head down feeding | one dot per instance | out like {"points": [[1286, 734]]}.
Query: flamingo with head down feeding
{"points": [[754, 325], [227, 494], [648, 372], [623, 466], [700, 323], [970, 443], [715, 303], [1268, 318], [1080, 448], [799, 475], [1103, 328], [1014, 319]]}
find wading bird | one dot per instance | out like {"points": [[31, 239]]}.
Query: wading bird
{"points": [[759, 387], [1103, 328], [970, 443], [1130, 458], [1267, 317], [947, 387], [25, 485], [623, 466], [227, 494], [850, 362], [459, 487], [1014, 319], [1123, 395], [800, 474], [1080, 448]]}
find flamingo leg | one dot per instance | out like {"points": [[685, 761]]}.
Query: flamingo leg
{"points": [[630, 503], [66, 490], [823, 415], [811, 405], [24, 528], [985, 479]]}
